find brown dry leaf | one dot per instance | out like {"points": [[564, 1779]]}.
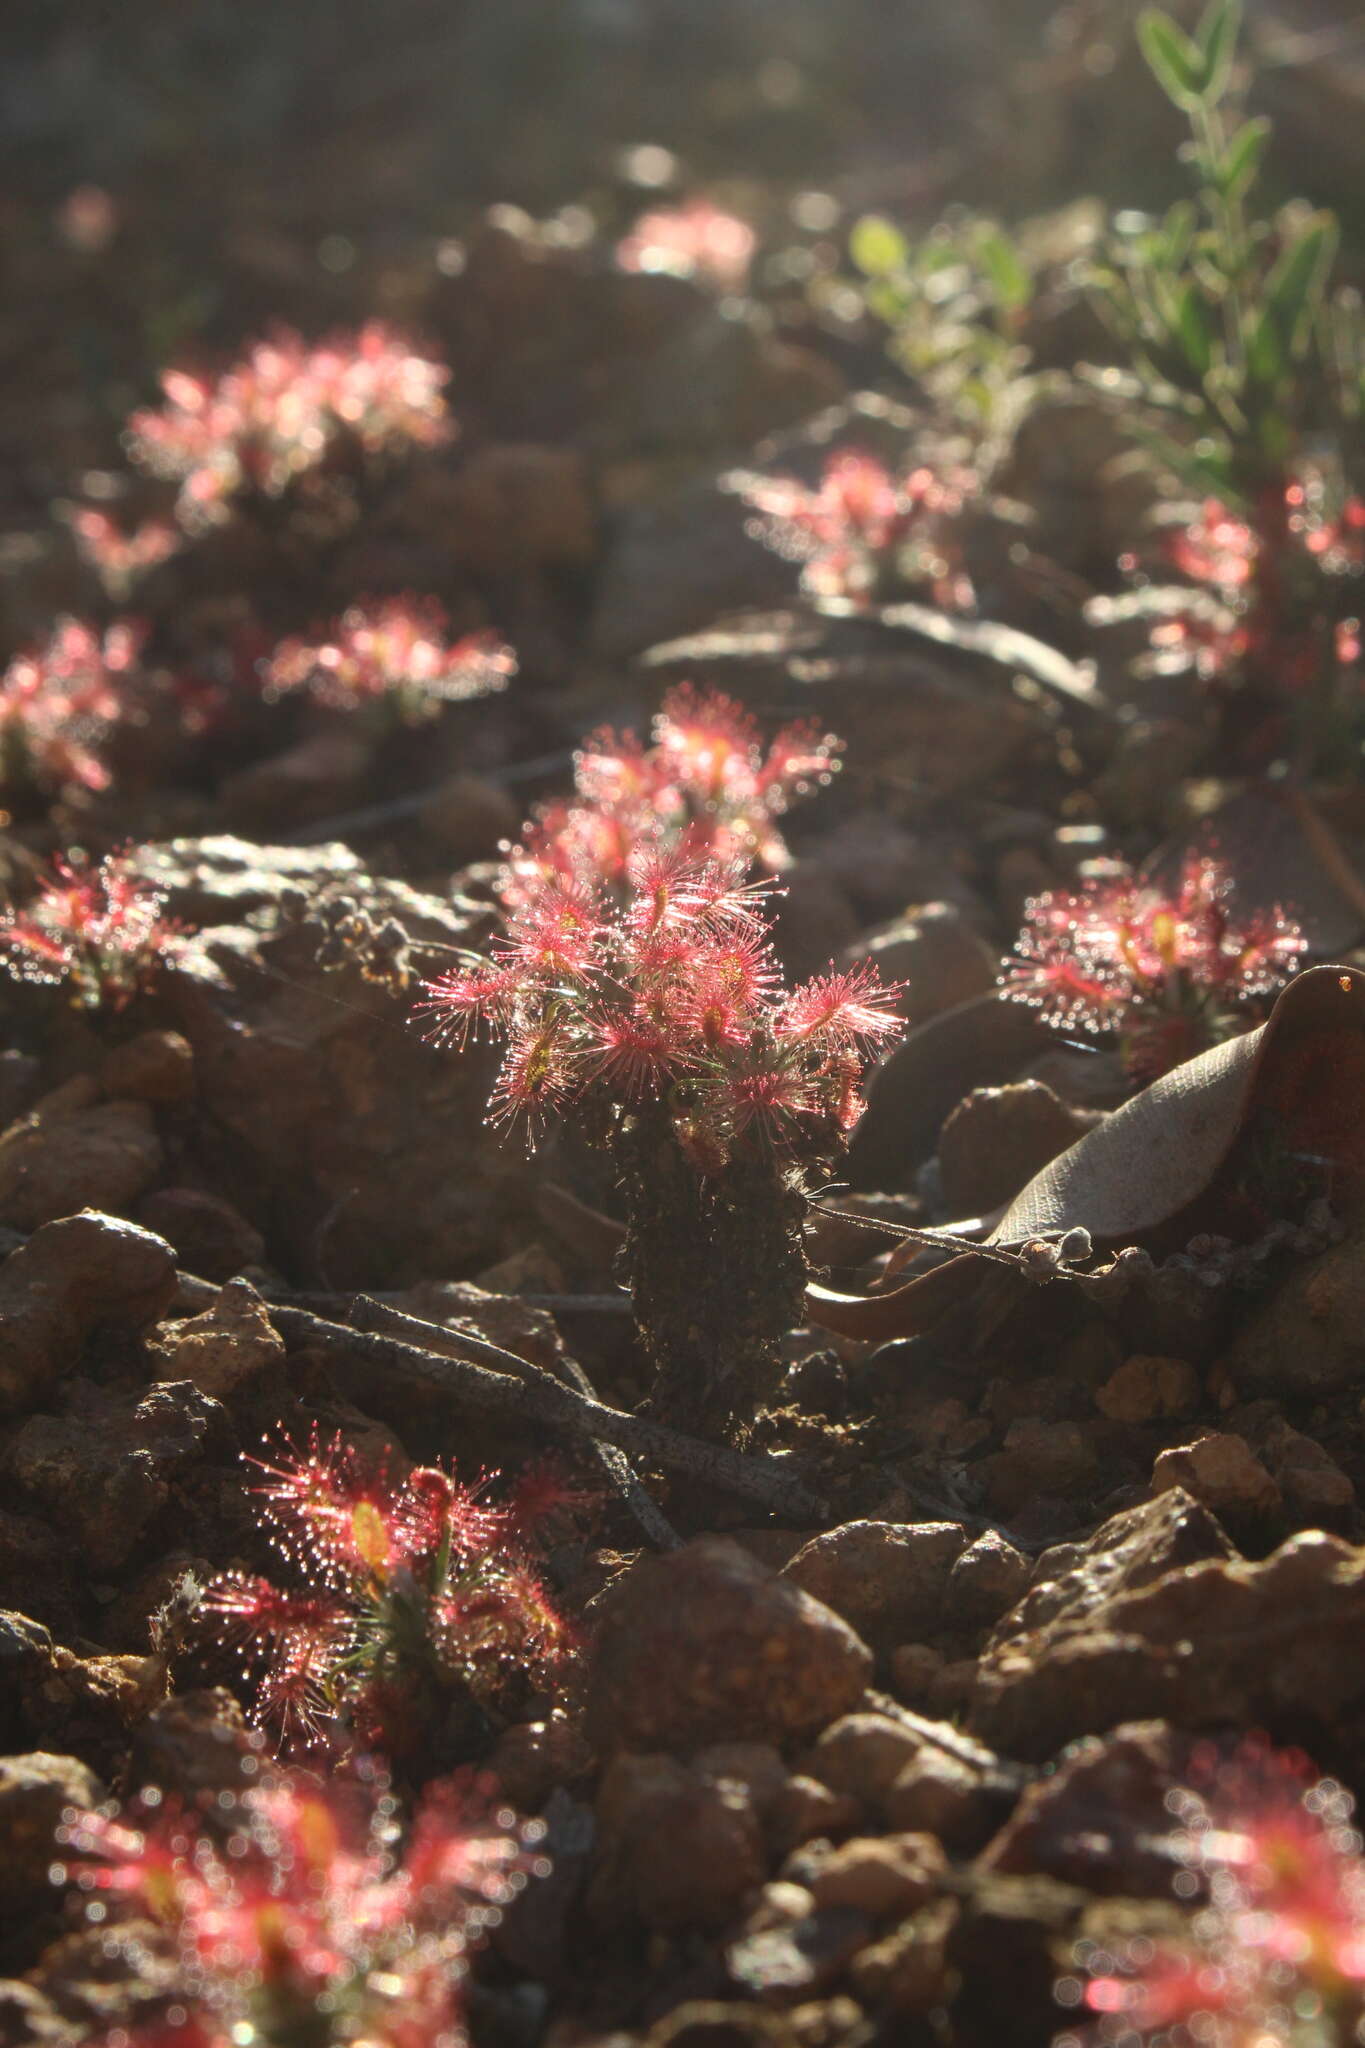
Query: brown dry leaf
{"points": [[1153, 1172]]}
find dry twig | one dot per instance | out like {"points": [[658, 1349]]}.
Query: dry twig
{"points": [[497, 1382]]}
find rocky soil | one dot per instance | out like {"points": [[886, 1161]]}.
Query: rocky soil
{"points": [[878, 1723]]}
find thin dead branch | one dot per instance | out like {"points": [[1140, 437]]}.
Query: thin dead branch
{"points": [[497, 1382]]}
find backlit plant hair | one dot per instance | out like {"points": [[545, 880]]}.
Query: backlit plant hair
{"points": [[412, 1597], [1169, 972]]}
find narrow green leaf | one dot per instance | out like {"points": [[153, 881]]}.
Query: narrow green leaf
{"points": [[1299, 278], [1177, 232], [1177, 64], [877, 246], [1209, 274], [1203, 468], [1241, 160], [1266, 357], [1166, 299], [1009, 278], [1218, 33], [1152, 322], [1195, 328], [1291, 296]]}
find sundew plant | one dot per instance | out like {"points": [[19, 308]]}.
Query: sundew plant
{"points": [[59, 706], [96, 930], [1269, 1859], [297, 1913], [395, 654], [1167, 972], [411, 1598], [706, 784], [284, 408], [658, 1021]]}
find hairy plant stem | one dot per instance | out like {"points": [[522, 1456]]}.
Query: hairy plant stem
{"points": [[717, 1271]]}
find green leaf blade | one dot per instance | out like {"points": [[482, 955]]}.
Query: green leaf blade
{"points": [[1293, 292], [1195, 328], [1238, 167], [1218, 32], [878, 247], [1176, 63], [1008, 275]]}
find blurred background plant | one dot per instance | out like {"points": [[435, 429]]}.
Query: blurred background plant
{"points": [[1232, 354], [1246, 363], [96, 931], [293, 1914], [394, 657], [1268, 1860], [1219, 310], [956, 303]]}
